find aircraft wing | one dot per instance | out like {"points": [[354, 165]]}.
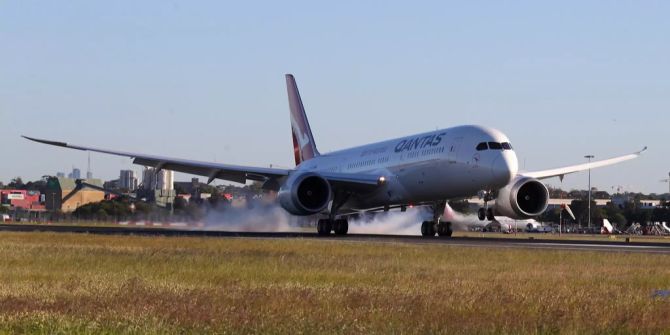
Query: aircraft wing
{"points": [[561, 172], [235, 173], [352, 182]]}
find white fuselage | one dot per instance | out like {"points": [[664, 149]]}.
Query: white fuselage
{"points": [[432, 166]]}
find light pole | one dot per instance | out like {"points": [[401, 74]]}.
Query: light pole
{"points": [[589, 157]]}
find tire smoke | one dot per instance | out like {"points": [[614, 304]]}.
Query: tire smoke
{"points": [[273, 218], [391, 223], [266, 218]]}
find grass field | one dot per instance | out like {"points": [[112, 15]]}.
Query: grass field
{"points": [[66, 283]]}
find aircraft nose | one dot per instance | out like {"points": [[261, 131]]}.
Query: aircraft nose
{"points": [[504, 168]]}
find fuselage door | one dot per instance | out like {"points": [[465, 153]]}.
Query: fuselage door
{"points": [[454, 149]]}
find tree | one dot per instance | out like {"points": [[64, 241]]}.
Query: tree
{"points": [[39, 185], [601, 195], [217, 199], [118, 208], [16, 183], [194, 211], [615, 215], [660, 214], [552, 215], [101, 214], [579, 208], [180, 189], [179, 204], [255, 187], [619, 221]]}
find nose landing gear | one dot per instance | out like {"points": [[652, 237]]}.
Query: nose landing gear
{"points": [[486, 212]]}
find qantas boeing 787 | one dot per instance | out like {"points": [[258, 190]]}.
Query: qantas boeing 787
{"points": [[422, 170]]}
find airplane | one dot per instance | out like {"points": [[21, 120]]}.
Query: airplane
{"points": [[508, 225], [424, 169], [501, 223], [607, 228]]}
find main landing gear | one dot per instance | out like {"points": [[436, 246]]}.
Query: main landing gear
{"points": [[338, 226], [325, 226], [442, 228]]}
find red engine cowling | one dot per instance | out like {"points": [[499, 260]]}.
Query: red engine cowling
{"points": [[523, 198], [305, 194]]}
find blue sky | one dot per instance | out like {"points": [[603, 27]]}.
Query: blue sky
{"points": [[204, 80]]}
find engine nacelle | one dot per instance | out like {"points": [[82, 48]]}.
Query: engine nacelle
{"points": [[305, 194], [523, 198]]}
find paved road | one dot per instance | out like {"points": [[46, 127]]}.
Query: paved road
{"points": [[607, 246]]}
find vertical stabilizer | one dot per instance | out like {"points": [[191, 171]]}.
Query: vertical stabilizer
{"points": [[304, 147]]}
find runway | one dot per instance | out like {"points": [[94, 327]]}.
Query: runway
{"points": [[485, 242]]}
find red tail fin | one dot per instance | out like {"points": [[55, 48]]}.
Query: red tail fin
{"points": [[304, 147]]}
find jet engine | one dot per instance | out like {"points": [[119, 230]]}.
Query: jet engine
{"points": [[523, 198], [305, 194]]}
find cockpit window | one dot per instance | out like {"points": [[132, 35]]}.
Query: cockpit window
{"points": [[507, 146], [482, 146], [495, 146]]}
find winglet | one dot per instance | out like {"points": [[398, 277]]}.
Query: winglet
{"points": [[56, 143]]}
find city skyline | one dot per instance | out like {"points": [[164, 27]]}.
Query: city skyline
{"points": [[205, 81]]}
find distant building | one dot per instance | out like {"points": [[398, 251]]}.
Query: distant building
{"points": [[112, 184], [192, 187], [21, 199], [23, 204], [59, 194], [60, 174], [158, 187], [163, 180], [128, 180], [76, 174], [89, 175], [620, 200]]}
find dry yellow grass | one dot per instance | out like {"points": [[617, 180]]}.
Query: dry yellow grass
{"points": [[64, 283]]}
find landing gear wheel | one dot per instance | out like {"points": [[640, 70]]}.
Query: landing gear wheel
{"points": [[444, 229], [323, 227], [341, 227], [489, 214], [428, 228], [481, 214]]}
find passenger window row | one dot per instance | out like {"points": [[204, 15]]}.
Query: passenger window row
{"points": [[361, 164], [494, 146]]}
